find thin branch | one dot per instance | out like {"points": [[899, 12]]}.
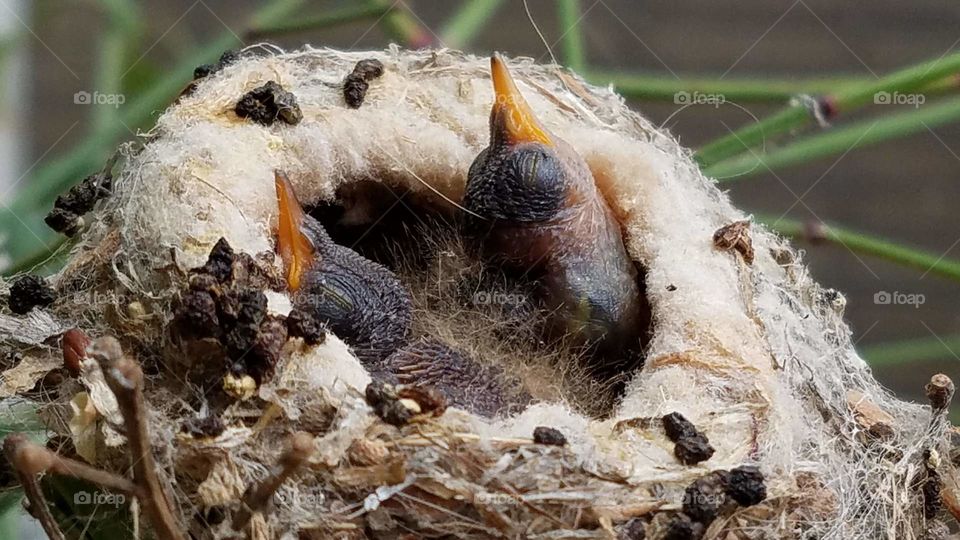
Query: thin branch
{"points": [[574, 54], [125, 379], [912, 350], [870, 245], [259, 495], [27, 464], [838, 141], [845, 99], [328, 19], [468, 21]]}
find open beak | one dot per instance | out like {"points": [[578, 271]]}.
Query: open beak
{"points": [[295, 249], [516, 121]]}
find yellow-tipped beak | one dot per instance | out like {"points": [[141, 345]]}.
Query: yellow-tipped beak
{"points": [[519, 123], [295, 249]]}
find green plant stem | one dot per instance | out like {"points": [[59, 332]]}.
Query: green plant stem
{"points": [[123, 29], [468, 21], [56, 175], [319, 22], [844, 99], [912, 350], [868, 245], [403, 27], [754, 90], [574, 54], [838, 141]]}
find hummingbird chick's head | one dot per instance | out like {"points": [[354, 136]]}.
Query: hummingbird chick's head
{"points": [[520, 176]]}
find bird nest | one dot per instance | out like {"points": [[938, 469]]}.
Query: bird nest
{"points": [[752, 416]]}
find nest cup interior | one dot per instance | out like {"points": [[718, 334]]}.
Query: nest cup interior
{"points": [[471, 302]]}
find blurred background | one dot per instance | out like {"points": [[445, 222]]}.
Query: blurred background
{"points": [[80, 76]]}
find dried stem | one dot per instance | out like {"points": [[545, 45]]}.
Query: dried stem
{"points": [[125, 379], [259, 495], [27, 463]]}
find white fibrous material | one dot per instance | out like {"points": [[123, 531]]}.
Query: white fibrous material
{"points": [[755, 355]]}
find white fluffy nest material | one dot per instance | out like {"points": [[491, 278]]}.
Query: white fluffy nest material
{"points": [[755, 355]]}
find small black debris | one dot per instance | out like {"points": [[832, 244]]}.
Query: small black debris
{"points": [[693, 450], [703, 498], [263, 358], [691, 446], [635, 529], [28, 292], [220, 261], [80, 199], [225, 60], [386, 404], [355, 85], [207, 426], [196, 315], [302, 323], [931, 488], [63, 221], [745, 485], [266, 103], [548, 435], [243, 306], [681, 527], [369, 69], [678, 427]]}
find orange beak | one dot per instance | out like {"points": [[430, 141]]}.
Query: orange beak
{"points": [[518, 122], [295, 249]]}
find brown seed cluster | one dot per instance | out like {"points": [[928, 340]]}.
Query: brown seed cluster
{"points": [[355, 85], [691, 446], [225, 302], [549, 436], [205, 70], [28, 292], [265, 104], [80, 199], [735, 236]]}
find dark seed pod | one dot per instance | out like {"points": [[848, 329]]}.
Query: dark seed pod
{"points": [[549, 436], [369, 69], [691, 446], [80, 199], [205, 70], [196, 315], [220, 261], [28, 292], [355, 85], [63, 221], [681, 527], [265, 104], [745, 484], [355, 90], [302, 323], [677, 427], [703, 498], [693, 450]]}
